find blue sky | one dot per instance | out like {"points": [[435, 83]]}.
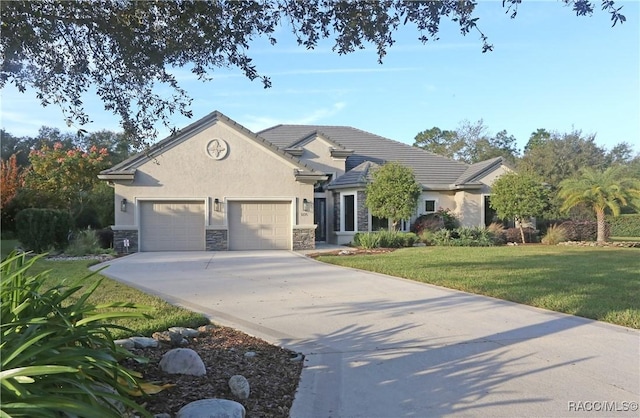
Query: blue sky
{"points": [[549, 69]]}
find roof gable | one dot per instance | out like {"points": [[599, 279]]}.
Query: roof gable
{"points": [[128, 167]]}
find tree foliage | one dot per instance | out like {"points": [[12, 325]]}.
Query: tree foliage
{"points": [[67, 176], [601, 190], [470, 143], [11, 180], [518, 196], [393, 192], [124, 49]]}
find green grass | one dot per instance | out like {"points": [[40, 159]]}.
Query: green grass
{"points": [[597, 283], [164, 314]]}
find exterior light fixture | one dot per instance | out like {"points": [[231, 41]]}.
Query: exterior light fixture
{"points": [[123, 205], [306, 205], [216, 205]]}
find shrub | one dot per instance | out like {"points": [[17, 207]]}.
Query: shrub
{"points": [[426, 237], [87, 218], [391, 239], [555, 235], [624, 225], [58, 356], [384, 239], [497, 233], [582, 230], [367, 240], [41, 229], [105, 237], [409, 239], [442, 219], [85, 243], [513, 235]]}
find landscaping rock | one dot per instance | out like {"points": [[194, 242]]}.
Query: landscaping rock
{"points": [[239, 386], [163, 415], [212, 408], [125, 343], [167, 337], [206, 328], [182, 361], [144, 342], [250, 354], [185, 332]]}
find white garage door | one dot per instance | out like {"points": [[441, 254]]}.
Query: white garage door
{"points": [[259, 225], [172, 226]]}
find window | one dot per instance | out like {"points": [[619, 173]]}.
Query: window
{"points": [[349, 213], [429, 206], [379, 223]]}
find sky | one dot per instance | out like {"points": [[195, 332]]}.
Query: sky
{"points": [[549, 69]]}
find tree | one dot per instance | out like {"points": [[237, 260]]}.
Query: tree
{"points": [[437, 141], [393, 193], [125, 49], [562, 155], [539, 137], [11, 180], [600, 190], [518, 196], [66, 176], [470, 143]]}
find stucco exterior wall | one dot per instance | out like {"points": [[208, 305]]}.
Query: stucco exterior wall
{"points": [[186, 171], [317, 155]]}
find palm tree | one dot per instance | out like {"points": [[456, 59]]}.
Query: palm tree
{"points": [[612, 188]]}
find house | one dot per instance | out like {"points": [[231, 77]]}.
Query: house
{"points": [[216, 185]]}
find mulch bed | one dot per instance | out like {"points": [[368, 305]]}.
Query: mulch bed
{"points": [[272, 375]]}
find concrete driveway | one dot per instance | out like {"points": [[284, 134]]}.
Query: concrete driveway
{"points": [[378, 346]]}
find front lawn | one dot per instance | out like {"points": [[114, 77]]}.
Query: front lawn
{"points": [[597, 283], [165, 315]]}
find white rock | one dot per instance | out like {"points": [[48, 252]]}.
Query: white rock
{"points": [[239, 386], [185, 332], [126, 343], [212, 408], [144, 342], [182, 361], [250, 354]]}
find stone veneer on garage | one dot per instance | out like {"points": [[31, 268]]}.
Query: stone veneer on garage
{"points": [[118, 240], [304, 239], [217, 240]]}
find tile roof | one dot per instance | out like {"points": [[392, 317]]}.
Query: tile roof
{"points": [[356, 177], [430, 169], [477, 170]]}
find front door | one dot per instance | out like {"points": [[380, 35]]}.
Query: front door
{"points": [[320, 218]]}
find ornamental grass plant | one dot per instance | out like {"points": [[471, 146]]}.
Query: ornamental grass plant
{"points": [[58, 354]]}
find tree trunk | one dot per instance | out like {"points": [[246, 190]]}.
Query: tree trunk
{"points": [[602, 226], [522, 234]]}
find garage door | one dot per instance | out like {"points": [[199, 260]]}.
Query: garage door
{"points": [[172, 226], [259, 225]]}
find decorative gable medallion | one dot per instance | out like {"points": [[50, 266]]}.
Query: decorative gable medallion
{"points": [[217, 149]]}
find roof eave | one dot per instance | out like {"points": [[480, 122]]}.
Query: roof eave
{"points": [[310, 178], [117, 176]]}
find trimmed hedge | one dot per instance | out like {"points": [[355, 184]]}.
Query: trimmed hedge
{"points": [[624, 225], [40, 229]]}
